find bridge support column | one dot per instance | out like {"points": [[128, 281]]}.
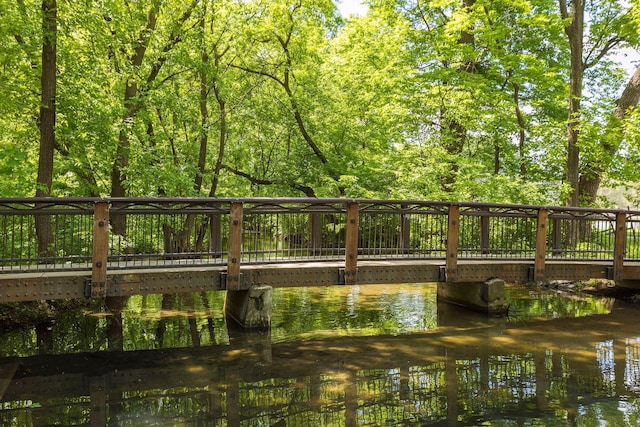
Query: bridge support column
{"points": [[250, 308], [629, 284], [487, 297]]}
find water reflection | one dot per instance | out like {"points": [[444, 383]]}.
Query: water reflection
{"points": [[370, 355]]}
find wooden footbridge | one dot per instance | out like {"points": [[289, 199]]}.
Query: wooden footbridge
{"points": [[53, 248]]}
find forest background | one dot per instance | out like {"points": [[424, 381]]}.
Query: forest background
{"points": [[522, 101]]}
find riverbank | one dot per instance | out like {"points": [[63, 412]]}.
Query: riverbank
{"points": [[597, 288], [25, 315]]}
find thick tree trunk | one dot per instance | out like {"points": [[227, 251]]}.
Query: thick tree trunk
{"points": [[121, 161], [133, 105], [575, 33], [592, 174], [630, 96], [48, 82], [47, 121], [455, 133], [455, 137]]}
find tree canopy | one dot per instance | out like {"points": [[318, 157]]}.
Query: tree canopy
{"points": [[503, 101]]}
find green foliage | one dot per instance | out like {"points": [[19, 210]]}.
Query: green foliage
{"points": [[281, 98]]}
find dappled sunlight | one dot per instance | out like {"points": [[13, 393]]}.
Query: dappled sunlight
{"points": [[366, 353], [194, 369]]}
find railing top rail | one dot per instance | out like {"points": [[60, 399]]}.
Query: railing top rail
{"points": [[62, 201]]}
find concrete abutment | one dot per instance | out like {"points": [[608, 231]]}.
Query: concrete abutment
{"points": [[486, 297], [251, 309], [629, 284]]}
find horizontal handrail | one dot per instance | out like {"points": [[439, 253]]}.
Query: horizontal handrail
{"points": [[61, 201]]}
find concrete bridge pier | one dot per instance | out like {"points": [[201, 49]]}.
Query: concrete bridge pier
{"points": [[629, 284], [486, 297], [250, 308]]}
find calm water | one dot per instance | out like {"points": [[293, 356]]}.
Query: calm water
{"points": [[338, 356]]}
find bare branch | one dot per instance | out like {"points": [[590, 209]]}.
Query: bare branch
{"points": [[259, 72], [611, 44]]}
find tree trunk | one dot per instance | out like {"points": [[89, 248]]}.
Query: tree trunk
{"points": [[222, 137], [521, 128], [630, 96], [47, 122], [575, 33], [496, 157], [592, 175], [284, 82], [204, 108], [455, 137], [118, 177], [455, 132]]}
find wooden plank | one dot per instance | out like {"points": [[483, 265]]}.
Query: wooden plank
{"points": [[453, 232], [351, 244], [235, 246], [619, 249], [100, 249], [541, 245]]}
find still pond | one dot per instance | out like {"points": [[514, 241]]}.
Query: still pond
{"points": [[375, 355]]}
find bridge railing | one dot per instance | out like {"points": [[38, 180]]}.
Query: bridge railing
{"points": [[80, 233], [52, 234]]}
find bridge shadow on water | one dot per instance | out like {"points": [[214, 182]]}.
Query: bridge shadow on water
{"points": [[339, 356]]}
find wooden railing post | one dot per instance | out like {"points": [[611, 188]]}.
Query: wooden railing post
{"points": [[98, 396], [100, 249], [556, 242], [316, 234], [453, 231], [619, 250], [235, 246], [484, 231], [351, 244], [215, 235], [405, 232], [541, 245]]}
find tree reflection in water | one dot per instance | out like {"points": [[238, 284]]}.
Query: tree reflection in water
{"points": [[369, 355]]}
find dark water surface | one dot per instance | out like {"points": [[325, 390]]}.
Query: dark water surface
{"points": [[338, 356]]}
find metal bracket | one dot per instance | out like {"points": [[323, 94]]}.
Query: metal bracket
{"points": [[223, 280], [347, 277], [531, 273], [95, 289], [611, 275], [442, 273]]}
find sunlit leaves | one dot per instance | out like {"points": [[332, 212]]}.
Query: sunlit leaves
{"points": [[377, 95]]}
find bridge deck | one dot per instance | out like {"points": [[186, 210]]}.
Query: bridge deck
{"points": [[38, 285]]}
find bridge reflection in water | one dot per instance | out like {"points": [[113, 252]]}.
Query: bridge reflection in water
{"points": [[465, 370]]}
